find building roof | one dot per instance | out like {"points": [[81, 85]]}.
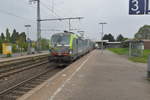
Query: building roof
{"points": [[114, 42], [102, 41]]}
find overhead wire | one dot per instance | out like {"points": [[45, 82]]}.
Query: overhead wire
{"points": [[15, 15], [59, 10], [49, 9]]}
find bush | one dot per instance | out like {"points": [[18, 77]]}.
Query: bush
{"points": [[14, 48], [0, 48], [9, 55]]}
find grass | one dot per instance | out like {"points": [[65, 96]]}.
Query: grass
{"points": [[120, 51], [142, 59], [124, 51]]}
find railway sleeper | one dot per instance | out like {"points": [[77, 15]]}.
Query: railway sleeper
{"points": [[24, 89], [35, 82], [20, 92], [29, 86], [40, 80], [9, 97], [43, 77]]}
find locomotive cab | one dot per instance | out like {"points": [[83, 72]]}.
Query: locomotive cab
{"points": [[60, 48]]}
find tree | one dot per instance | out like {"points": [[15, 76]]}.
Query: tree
{"points": [[143, 33], [2, 37], [45, 44], [15, 36], [105, 37], [21, 41], [8, 39], [0, 45], [109, 37], [23, 36], [120, 38]]}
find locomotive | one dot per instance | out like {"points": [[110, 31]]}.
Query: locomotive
{"points": [[67, 46]]}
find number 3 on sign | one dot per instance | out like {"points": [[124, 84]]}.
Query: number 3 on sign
{"points": [[136, 6]]}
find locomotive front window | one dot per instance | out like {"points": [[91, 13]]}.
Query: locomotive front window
{"points": [[58, 39]]}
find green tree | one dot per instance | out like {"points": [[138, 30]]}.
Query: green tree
{"points": [[21, 41], [0, 45], [15, 36], [8, 37], [44, 44], [105, 37], [23, 36], [2, 37], [111, 38], [120, 38], [143, 33]]}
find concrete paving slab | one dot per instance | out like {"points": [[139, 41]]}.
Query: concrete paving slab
{"points": [[106, 77]]}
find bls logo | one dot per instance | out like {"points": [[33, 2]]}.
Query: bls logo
{"points": [[138, 7]]}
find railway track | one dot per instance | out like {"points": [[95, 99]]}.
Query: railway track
{"points": [[23, 87], [13, 68], [15, 61]]}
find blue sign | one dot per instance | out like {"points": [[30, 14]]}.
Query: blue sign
{"points": [[137, 7], [147, 7]]}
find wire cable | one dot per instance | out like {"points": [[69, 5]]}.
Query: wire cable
{"points": [[14, 15]]}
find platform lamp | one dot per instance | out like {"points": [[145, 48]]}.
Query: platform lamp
{"points": [[102, 23], [28, 39]]}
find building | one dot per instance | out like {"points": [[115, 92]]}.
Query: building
{"points": [[107, 44], [146, 44]]}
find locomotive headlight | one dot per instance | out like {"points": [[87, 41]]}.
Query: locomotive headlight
{"points": [[70, 51]]}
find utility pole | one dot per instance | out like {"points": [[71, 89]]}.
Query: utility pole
{"points": [[69, 25], [102, 46], [38, 25], [60, 19]]}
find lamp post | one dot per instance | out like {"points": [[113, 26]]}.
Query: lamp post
{"points": [[28, 39], [27, 26], [102, 23]]}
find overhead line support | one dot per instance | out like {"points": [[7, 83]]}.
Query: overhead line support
{"points": [[60, 19]]}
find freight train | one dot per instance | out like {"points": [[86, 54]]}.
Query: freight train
{"points": [[66, 47]]}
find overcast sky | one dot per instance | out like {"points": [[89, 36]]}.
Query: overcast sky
{"points": [[17, 13]]}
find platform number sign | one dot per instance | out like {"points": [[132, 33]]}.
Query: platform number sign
{"points": [[139, 7], [136, 7]]}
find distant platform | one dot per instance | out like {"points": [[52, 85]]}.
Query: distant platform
{"points": [[19, 56]]}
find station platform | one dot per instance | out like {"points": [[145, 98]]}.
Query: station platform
{"points": [[97, 76], [107, 76]]}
